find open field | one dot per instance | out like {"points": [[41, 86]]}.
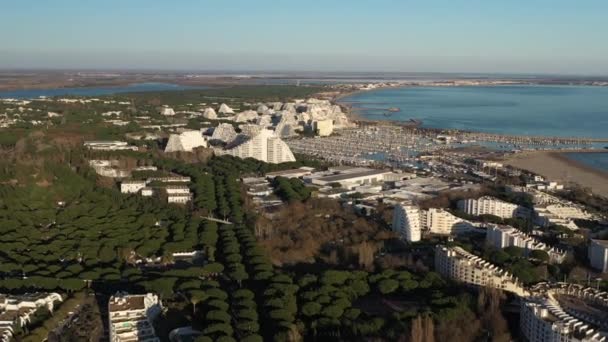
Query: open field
{"points": [[558, 167]]}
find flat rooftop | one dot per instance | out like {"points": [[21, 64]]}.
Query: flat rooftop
{"points": [[289, 172], [341, 177], [125, 303]]}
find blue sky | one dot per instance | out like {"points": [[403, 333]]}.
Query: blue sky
{"points": [[532, 36]]}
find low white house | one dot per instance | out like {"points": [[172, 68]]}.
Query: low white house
{"points": [[132, 186]]}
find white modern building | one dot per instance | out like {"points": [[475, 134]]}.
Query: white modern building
{"points": [[185, 141], [110, 145], [563, 312], [225, 109], [177, 190], [406, 222], [179, 199], [323, 128], [506, 236], [559, 214], [441, 221], [224, 132], [457, 264], [170, 179], [17, 310], [491, 206], [132, 186], [410, 221], [131, 316], [167, 111], [264, 146], [209, 113], [543, 320], [598, 255]]}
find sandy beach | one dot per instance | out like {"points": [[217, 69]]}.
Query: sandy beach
{"points": [[557, 167]]}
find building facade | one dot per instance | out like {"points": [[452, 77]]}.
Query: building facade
{"points": [[132, 186], [406, 222], [457, 264], [130, 317], [598, 255], [264, 146], [323, 128], [410, 221], [564, 312], [442, 222], [491, 206], [506, 236], [185, 142]]}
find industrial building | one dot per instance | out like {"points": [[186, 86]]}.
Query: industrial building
{"points": [[347, 177]]}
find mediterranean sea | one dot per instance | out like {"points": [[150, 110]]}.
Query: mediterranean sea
{"points": [[93, 91], [597, 161], [565, 111]]}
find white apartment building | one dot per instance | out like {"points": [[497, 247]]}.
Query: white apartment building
{"points": [[560, 214], [185, 141], [17, 310], [109, 146], [543, 320], [506, 236], [224, 132], [323, 128], [490, 206], [167, 111], [598, 255], [130, 317], [406, 222], [132, 186], [457, 264], [441, 221], [180, 199], [409, 221], [177, 190], [170, 179], [264, 146]]}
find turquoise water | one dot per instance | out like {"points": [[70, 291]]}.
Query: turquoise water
{"points": [[595, 160], [518, 110], [93, 91]]}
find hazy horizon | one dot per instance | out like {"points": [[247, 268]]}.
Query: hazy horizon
{"points": [[519, 37]]}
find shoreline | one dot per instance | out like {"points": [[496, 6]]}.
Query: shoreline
{"points": [[556, 166]]}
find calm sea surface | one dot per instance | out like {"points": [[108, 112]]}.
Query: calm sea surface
{"points": [[595, 160], [93, 91], [519, 110]]}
